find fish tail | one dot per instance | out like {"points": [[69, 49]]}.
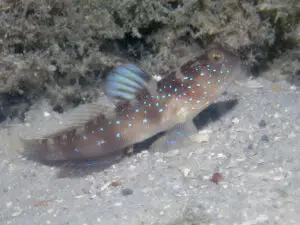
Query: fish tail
{"points": [[64, 141], [44, 149]]}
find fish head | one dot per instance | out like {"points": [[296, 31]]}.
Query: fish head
{"points": [[212, 73]]}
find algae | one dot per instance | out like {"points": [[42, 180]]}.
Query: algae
{"points": [[61, 49]]}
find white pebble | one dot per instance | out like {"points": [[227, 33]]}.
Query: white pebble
{"points": [[118, 204], [225, 186], [172, 153], [221, 155], [157, 77], [235, 120], [199, 137], [51, 68], [276, 115], [17, 213], [185, 171], [132, 167], [46, 114]]}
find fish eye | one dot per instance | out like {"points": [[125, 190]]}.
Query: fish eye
{"points": [[216, 56]]}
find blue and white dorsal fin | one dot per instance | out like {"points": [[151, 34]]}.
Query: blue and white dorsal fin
{"points": [[125, 83]]}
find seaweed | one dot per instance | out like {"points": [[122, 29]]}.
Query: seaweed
{"points": [[62, 49]]}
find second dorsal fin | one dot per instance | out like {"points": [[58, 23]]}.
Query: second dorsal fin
{"points": [[72, 119]]}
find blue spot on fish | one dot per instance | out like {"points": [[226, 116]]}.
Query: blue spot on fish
{"points": [[100, 142], [171, 142]]}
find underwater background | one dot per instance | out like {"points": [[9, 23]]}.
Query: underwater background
{"points": [[241, 167]]}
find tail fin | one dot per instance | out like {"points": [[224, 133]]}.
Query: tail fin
{"points": [[45, 141]]}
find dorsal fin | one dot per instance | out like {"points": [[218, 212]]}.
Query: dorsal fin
{"points": [[86, 112], [126, 82], [72, 119]]}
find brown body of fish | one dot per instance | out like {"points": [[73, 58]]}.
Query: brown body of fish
{"points": [[177, 98]]}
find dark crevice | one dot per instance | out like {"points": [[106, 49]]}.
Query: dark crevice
{"points": [[14, 105], [260, 57], [117, 19], [173, 4], [131, 46], [58, 108], [18, 48], [128, 47], [153, 27]]}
